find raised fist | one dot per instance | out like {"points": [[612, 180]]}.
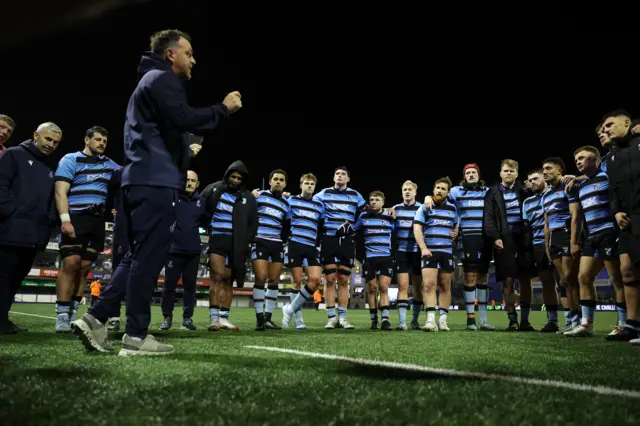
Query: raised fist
{"points": [[233, 101]]}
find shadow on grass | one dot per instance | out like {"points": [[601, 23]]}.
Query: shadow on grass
{"points": [[33, 337]]}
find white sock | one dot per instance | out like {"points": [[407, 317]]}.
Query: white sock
{"points": [[298, 307], [271, 300], [258, 300]]}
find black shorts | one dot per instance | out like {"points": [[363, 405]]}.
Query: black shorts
{"points": [[375, 266], [271, 251], [602, 246], [439, 260], [299, 255], [560, 244], [90, 233], [625, 242], [408, 262], [540, 259], [477, 252], [222, 245], [513, 260], [338, 251]]}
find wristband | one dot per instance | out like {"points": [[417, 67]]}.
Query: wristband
{"points": [[64, 217]]}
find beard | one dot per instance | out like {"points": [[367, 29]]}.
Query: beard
{"points": [[438, 198]]}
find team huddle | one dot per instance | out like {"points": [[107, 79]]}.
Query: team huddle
{"points": [[559, 227]]}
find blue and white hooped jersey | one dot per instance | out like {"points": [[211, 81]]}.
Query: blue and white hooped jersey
{"points": [[533, 215], [272, 212], [555, 203], [512, 205], [470, 205], [378, 231], [305, 218], [437, 225], [593, 194], [340, 206], [404, 226], [88, 177], [222, 220]]}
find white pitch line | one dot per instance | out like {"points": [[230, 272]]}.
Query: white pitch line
{"points": [[31, 315], [603, 390]]}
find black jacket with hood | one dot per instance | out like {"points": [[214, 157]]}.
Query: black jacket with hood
{"points": [[158, 119], [495, 222], [623, 170], [26, 196], [245, 215]]}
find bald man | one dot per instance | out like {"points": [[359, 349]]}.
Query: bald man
{"points": [[184, 255]]}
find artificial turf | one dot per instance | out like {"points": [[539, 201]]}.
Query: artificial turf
{"points": [[214, 378]]}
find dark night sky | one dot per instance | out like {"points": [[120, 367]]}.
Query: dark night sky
{"points": [[390, 98]]}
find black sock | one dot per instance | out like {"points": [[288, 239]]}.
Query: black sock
{"points": [[77, 299], [267, 316], [260, 317], [373, 313]]}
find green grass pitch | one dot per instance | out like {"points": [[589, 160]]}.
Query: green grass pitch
{"points": [[214, 378]]}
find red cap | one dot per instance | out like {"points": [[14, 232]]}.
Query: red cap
{"points": [[470, 166]]}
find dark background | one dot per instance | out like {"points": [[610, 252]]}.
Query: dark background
{"points": [[393, 96]]}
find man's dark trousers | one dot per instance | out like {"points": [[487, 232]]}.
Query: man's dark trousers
{"points": [[185, 265], [150, 224], [15, 263]]}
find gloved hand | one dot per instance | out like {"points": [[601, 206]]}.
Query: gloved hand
{"points": [[344, 230]]}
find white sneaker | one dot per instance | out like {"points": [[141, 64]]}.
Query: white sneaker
{"points": [[615, 331], [148, 346], [635, 341], [567, 327], [442, 324], [332, 323], [346, 325], [430, 326], [286, 317], [225, 324], [485, 326], [402, 326], [301, 326], [583, 330]]}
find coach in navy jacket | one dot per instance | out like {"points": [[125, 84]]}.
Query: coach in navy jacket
{"points": [[156, 145], [184, 255], [26, 202]]}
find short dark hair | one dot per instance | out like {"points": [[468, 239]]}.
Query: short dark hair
{"points": [[555, 160], [96, 129], [534, 171], [616, 113], [164, 39], [377, 194], [342, 168], [444, 180], [8, 120], [280, 172]]}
